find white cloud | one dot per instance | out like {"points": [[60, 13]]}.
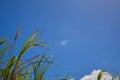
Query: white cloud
{"points": [[94, 76], [64, 42]]}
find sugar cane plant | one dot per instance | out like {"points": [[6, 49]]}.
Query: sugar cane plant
{"points": [[15, 68]]}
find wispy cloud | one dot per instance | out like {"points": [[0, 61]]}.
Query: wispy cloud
{"points": [[64, 42]]}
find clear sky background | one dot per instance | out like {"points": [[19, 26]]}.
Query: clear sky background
{"points": [[86, 33]]}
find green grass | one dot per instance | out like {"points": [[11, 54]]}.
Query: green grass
{"points": [[16, 68]]}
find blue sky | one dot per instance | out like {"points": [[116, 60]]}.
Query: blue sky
{"points": [[86, 33]]}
